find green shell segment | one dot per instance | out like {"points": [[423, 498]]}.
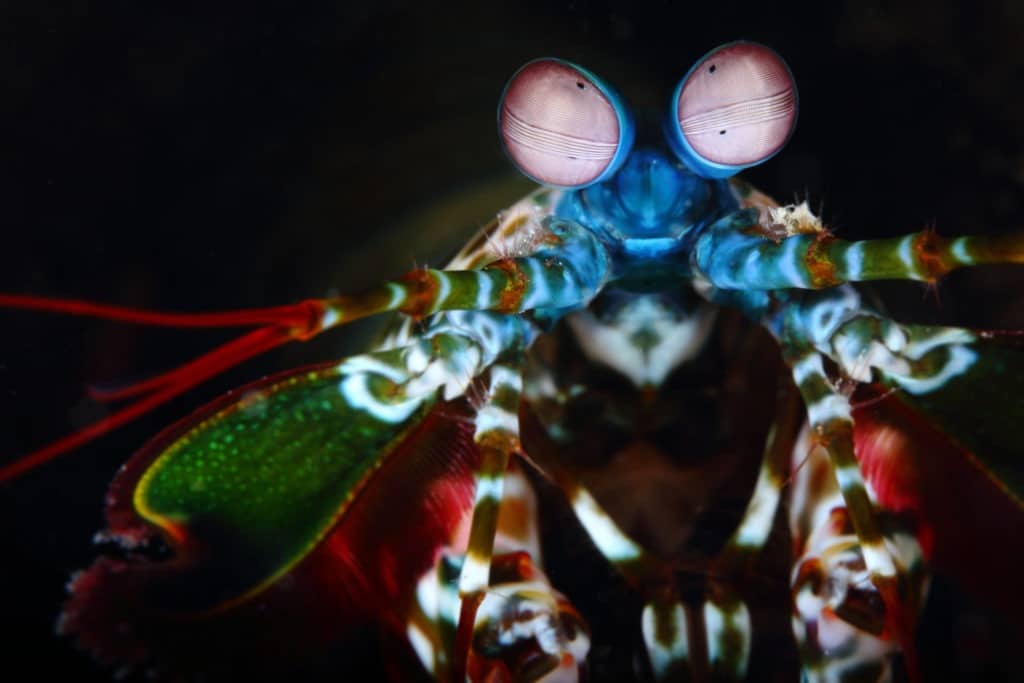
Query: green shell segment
{"points": [[248, 492]]}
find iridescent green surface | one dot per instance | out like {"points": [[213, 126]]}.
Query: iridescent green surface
{"points": [[249, 491]]}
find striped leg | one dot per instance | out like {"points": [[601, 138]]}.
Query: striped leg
{"points": [[497, 436], [837, 620], [740, 253], [566, 268], [832, 425], [681, 643], [667, 623], [868, 347], [665, 620], [525, 630], [666, 628]]}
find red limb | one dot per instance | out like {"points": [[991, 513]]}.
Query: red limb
{"points": [[279, 325], [300, 315]]}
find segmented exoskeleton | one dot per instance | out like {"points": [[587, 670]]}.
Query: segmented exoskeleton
{"points": [[603, 335]]}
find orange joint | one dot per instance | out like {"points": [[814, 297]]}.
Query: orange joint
{"points": [[819, 264]]}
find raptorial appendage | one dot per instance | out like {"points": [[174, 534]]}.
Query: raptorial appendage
{"points": [[840, 619], [833, 342], [523, 629]]}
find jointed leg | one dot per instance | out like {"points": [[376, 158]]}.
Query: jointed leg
{"points": [[738, 253], [566, 268], [832, 430], [524, 629], [497, 435], [673, 633], [837, 619], [665, 620], [666, 628]]}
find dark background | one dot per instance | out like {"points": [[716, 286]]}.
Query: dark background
{"points": [[224, 159]]}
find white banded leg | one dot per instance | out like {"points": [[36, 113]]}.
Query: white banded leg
{"points": [[675, 650], [838, 620], [666, 629], [832, 430], [524, 629], [497, 437], [727, 628], [665, 620]]}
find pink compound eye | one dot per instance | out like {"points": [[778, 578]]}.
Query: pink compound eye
{"points": [[737, 107], [560, 126]]}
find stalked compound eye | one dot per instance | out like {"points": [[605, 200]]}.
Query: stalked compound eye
{"points": [[562, 126], [736, 108]]}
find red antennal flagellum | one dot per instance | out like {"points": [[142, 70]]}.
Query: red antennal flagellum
{"points": [[278, 325], [416, 294]]}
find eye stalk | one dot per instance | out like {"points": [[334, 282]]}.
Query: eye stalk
{"points": [[563, 126], [734, 109]]}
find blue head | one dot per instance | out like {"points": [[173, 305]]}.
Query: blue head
{"points": [[564, 127]]}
